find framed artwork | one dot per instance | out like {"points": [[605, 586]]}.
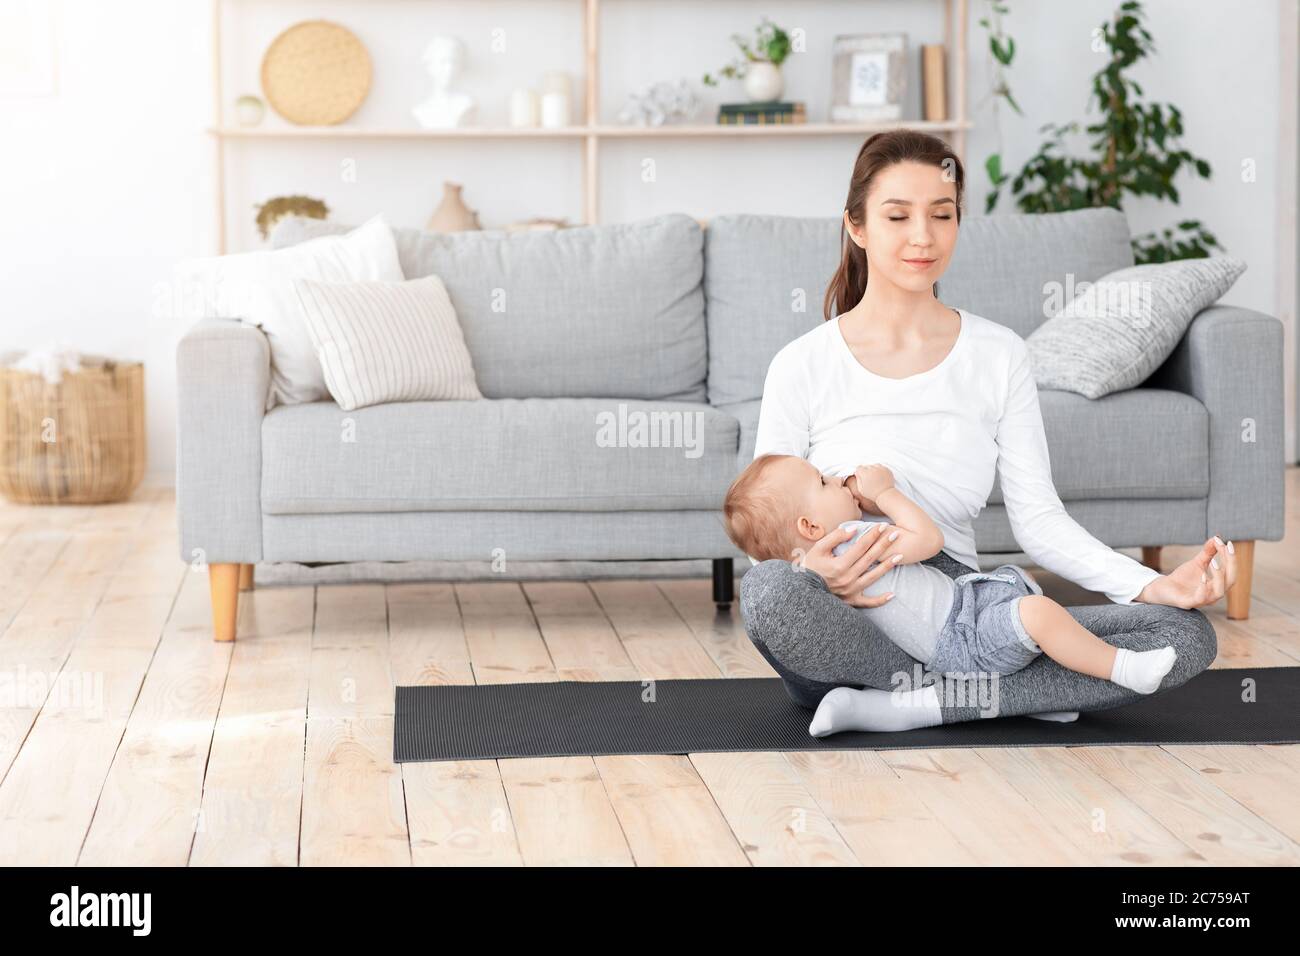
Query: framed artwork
{"points": [[868, 77]]}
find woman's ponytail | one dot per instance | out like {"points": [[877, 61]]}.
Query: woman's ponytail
{"points": [[850, 279]]}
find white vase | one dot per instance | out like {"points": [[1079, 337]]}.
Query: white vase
{"points": [[763, 82]]}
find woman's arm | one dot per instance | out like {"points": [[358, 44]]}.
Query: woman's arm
{"points": [[1049, 536], [783, 426]]}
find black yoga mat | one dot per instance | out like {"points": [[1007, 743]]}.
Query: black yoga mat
{"points": [[572, 718]]}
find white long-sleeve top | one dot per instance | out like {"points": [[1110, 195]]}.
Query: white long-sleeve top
{"points": [[944, 433]]}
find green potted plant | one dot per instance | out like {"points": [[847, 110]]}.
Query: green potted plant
{"points": [[761, 66], [1134, 150]]}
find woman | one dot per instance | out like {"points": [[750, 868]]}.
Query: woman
{"points": [[943, 397]]}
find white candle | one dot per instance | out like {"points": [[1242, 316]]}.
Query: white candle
{"points": [[523, 108], [555, 110]]}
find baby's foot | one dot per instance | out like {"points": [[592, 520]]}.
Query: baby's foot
{"points": [[1142, 671], [878, 710]]}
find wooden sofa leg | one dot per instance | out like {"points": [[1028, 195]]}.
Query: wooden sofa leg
{"points": [[1239, 593], [223, 584], [245, 577], [1151, 556]]}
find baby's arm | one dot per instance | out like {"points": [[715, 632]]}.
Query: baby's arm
{"points": [[918, 536]]}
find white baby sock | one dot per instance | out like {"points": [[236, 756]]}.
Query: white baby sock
{"points": [[1142, 671], [1059, 716], [879, 710]]}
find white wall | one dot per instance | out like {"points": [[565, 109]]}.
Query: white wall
{"points": [[107, 182]]}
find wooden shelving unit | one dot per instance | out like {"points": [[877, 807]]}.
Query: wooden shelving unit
{"points": [[955, 15]]}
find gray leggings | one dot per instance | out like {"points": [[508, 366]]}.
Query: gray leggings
{"points": [[817, 642]]}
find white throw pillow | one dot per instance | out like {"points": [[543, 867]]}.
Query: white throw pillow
{"points": [[1116, 332], [387, 341], [257, 287]]}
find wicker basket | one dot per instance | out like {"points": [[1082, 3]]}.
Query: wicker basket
{"points": [[78, 442]]}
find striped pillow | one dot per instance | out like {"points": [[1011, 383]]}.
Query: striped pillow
{"points": [[387, 341]]}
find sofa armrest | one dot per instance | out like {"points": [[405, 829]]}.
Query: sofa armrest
{"points": [[223, 370], [1230, 361]]}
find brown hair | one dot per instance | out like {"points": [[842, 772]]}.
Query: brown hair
{"points": [[757, 519], [877, 154]]}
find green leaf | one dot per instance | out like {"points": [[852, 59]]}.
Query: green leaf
{"points": [[993, 166]]}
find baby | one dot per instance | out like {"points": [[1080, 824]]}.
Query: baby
{"points": [[980, 623]]}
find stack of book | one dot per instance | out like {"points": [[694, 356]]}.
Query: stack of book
{"points": [[769, 112]]}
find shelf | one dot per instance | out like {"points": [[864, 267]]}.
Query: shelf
{"points": [[360, 132], [587, 103], [773, 129], [579, 132]]}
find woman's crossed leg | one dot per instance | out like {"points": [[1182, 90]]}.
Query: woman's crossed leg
{"points": [[816, 642]]}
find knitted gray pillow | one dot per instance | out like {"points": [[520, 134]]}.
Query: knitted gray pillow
{"points": [[1119, 330]]}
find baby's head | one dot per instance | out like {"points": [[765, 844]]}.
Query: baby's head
{"points": [[781, 503]]}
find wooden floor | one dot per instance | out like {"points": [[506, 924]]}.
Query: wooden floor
{"points": [[128, 737]]}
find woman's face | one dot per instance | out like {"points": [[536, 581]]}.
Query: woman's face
{"points": [[909, 227]]}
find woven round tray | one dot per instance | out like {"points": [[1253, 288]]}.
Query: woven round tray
{"points": [[316, 73]]}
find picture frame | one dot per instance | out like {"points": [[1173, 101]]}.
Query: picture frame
{"points": [[868, 77]]}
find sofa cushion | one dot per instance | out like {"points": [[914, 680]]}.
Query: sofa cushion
{"points": [[1140, 443], [257, 287], [387, 341], [765, 278], [1121, 328], [565, 454], [594, 311]]}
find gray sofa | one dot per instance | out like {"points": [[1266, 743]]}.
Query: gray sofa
{"points": [[623, 368]]}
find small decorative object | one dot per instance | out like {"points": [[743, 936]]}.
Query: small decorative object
{"points": [[660, 103], [739, 114], [761, 67], [316, 73], [249, 110], [869, 77], [444, 59], [71, 428], [557, 100], [273, 210], [538, 225], [555, 110], [452, 215], [524, 108]]}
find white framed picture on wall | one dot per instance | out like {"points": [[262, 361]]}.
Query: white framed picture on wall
{"points": [[869, 77]]}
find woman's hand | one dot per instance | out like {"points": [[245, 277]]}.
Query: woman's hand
{"points": [[1196, 582], [851, 573]]}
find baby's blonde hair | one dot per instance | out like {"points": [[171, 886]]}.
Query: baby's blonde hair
{"points": [[757, 518]]}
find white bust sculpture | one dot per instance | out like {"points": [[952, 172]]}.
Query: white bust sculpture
{"points": [[443, 109]]}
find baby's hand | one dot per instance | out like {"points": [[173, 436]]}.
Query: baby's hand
{"points": [[873, 481]]}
